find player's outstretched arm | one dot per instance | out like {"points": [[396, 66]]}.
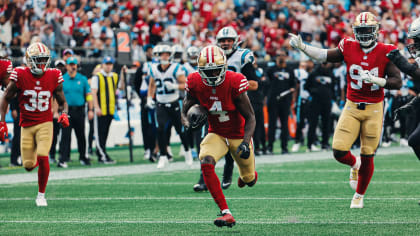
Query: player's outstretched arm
{"points": [[394, 80], [244, 107], [61, 99], [187, 103], [10, 93], [318, 54], [402, 63]]}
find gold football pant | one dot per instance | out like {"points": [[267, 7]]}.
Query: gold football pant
{"points": [[353, 122], [35, 141], [217, 146]]}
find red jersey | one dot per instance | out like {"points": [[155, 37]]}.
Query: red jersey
{"points": [[375, 61], [224, 119], [5, 68], [34, 94]]}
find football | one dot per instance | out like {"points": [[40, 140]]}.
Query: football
{"points": [[197, 116]]}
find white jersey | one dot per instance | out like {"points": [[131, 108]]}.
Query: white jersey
{"points": [[341, 73], [189, 68], [163, 93], [239, 59], [302, 76]]}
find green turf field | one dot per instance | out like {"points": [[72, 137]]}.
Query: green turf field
{"points": [[300, 198]]}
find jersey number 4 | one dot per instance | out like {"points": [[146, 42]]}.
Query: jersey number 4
{"points": [[40, 101], [216, 109]]}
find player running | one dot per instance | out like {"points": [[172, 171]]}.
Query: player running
{"points": [[231, 123], [34, 85], [367, 67]]}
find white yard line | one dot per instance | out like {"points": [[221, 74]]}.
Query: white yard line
{"points": [[207, 198], [260, 222], [177, 166]]}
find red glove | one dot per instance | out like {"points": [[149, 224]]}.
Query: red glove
{"points": [[64, 120], [3, 131]]}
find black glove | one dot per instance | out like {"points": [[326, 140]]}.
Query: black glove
{"points": [[244, 150], [407, 108]]}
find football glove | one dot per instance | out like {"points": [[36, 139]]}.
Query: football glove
{"points": [[243, 150], [171, 86], [407, 108], [64, 120], [150, 103], [196, 121], [3, 131], [296, 42], [367, 77]]}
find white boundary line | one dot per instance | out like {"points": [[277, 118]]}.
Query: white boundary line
{"points": [[261, 222], [208, 198]]}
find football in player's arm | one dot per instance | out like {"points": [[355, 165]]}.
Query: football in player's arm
{"points": [[369, 71]]}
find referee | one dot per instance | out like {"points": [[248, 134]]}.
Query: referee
{"points": [[104, 88], [77, 92]]}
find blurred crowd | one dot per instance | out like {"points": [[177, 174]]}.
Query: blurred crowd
{"points": [[87, 25]]}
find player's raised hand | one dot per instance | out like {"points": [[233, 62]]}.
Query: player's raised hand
{"points": [[3, 131], [64, 120], [243, 150], [296, 42]]}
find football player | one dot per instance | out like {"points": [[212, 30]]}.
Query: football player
{"points": [[414, 71], [166, 80], [238, 60], [231, 123], [6, 69], [367, 67], [35, 85]]}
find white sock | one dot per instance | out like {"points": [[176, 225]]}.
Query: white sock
{"points": [[41, 194], [226, 211]]}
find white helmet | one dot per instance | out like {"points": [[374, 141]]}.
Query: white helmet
{"points": [[165, 49], [227, 33], [192, 54], [414, 33], [177, 53], [38, 58], [212, 65]]}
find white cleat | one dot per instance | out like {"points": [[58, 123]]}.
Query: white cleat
{"points": [[147, 154], [295, 147], [163, 161], [403, 142], [313, 148], [181, 152], [41, 201], [357, 201], [188, 157], [354, 173]]}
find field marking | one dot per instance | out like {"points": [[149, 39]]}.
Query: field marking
{"points": [[176, 166], [396, 170], [205, 198], [261, 222]]}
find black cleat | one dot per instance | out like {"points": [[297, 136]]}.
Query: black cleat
{"points": [[200, 188]]}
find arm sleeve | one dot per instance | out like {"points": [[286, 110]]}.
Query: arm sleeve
{"points": [[402, 63], [249, 71]]}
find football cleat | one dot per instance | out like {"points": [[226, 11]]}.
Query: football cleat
{"points": [[242, 184], [225, 220], [62, 164], [41, 201], [357, 201], [188, 157], [163, 161], [295, 147], [354, 174], [200, 187], [147, 154]]}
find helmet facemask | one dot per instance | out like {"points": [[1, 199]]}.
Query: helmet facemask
{"points": [[39, 64], [213, 75], [366, 34], [414, 48]]}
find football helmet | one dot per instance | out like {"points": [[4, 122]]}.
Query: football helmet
{"points": [[155, 52], [165, 49], [366, 29], [38, 58], [414, 33], [192, 54], [227, 33], [177, 53], [212, 65]]}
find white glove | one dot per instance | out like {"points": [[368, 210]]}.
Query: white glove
{"points": [[171, 86], [150, 103], [367, 77], [296, 42]]}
